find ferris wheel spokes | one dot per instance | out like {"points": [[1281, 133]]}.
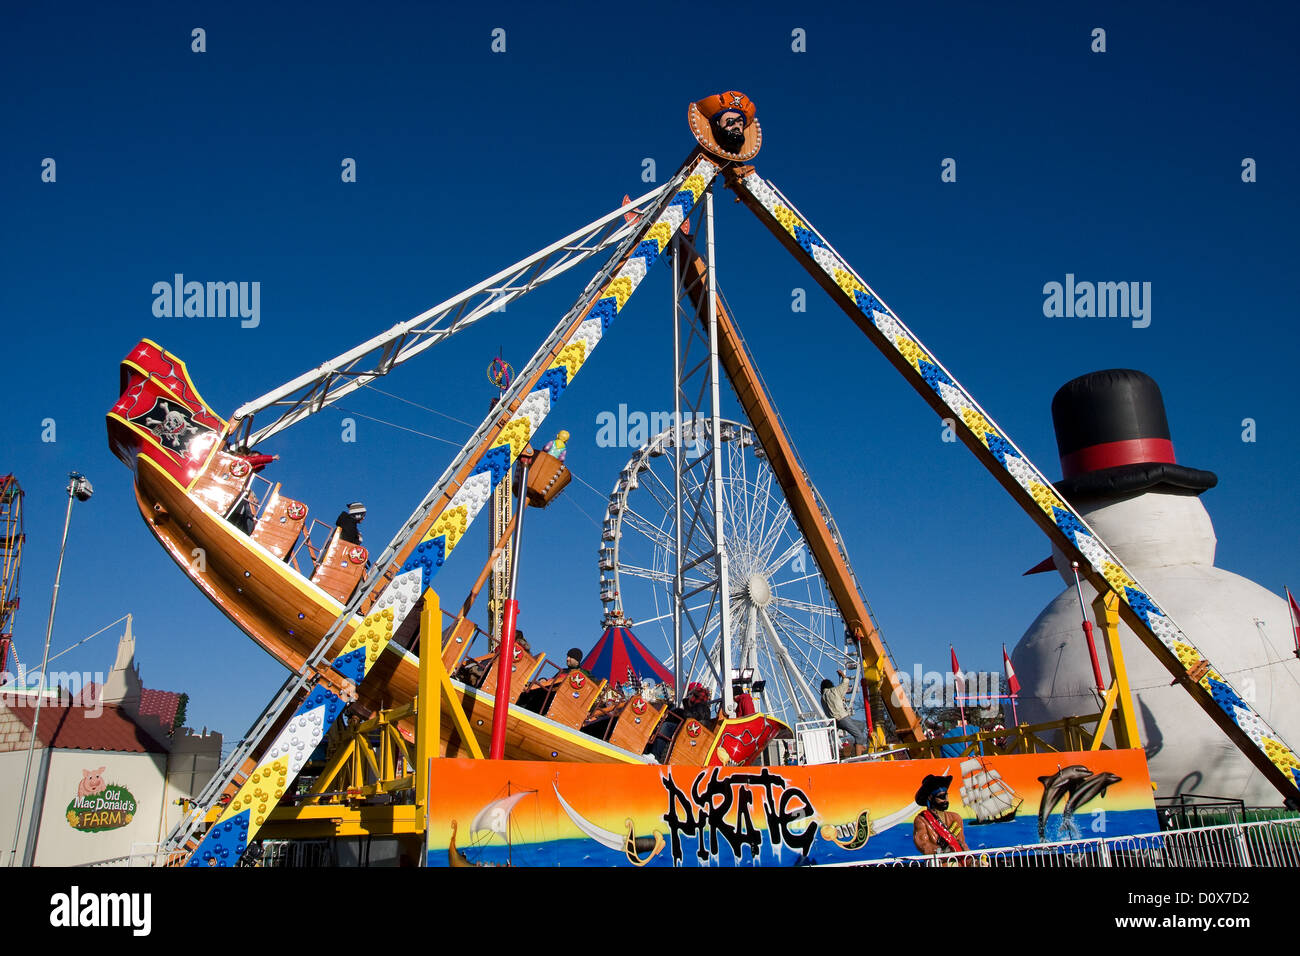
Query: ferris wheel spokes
{"points": [[808, 706], [767, 585], [802, 605]]}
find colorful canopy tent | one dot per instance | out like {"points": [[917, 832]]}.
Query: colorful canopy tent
{"points": [[617, 651]]}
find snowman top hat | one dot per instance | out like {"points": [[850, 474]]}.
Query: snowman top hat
{"points": [[1113, 437]]}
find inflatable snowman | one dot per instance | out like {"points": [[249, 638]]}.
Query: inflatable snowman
{"points": [[1119, 472]]}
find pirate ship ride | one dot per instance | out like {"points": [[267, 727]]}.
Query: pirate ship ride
{"points": [[285, 590], [349, 622]]}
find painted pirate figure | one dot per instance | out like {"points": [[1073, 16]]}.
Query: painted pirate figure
{"points": [[937, 829]]}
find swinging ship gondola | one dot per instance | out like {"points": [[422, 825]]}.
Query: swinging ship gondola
{"points": [[244, 543]]}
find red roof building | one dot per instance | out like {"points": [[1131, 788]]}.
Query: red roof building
{"points": [[71, 726], [109, 770], [162, 704]]}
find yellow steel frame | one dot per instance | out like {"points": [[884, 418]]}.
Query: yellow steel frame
{"points": [[1076, 733], [361, 766], [374, 757], [1118, 702]]}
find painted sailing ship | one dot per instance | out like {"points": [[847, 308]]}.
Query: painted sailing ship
{"points": [[985, 792], [493, 819]]}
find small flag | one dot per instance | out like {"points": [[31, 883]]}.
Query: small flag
{"points": [[958, 684], [1012, 683], [1295, 619]]}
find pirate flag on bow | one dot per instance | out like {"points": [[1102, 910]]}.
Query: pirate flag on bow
{"points": [[171, 423]]}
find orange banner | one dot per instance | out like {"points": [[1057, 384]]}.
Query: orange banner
{"points": [[540, 814]]}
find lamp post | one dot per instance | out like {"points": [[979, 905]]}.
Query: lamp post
{"points": [[79, 489]]}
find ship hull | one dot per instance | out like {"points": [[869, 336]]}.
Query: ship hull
{"points": [[287, 616], [187, 486]]}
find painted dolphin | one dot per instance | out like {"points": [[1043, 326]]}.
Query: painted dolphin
{"points": [[1055, 789], [1087, 789]]}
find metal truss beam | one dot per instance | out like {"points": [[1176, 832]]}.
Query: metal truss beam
{"points": [[328, 382]]}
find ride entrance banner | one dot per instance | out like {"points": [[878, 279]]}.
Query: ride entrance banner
{"points": [[523, 813]]}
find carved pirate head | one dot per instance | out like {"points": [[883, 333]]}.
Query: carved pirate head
{"points": [[725, 123]]}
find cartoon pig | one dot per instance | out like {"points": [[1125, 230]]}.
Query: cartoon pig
{"points": [[91, 783]]}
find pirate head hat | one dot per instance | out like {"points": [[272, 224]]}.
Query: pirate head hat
{"points": [[356, 509], [929, 785], [1113, 437], [702, 113]]}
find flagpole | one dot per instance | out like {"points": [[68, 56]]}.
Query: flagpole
{"points": [[1014, 719], [1295, 624], [956, 681]]}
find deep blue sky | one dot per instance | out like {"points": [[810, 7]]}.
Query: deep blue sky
{"points": [[225, 166]]}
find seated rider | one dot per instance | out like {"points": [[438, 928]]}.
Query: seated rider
{"points": [[697, 703], [244, 514], [348, 521], [257, 460], [474, 670], [573, 662]]}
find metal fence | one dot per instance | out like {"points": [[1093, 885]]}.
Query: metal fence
{"points": [[1274, 843], [1260, 843], [149, 855], [298, 853], [268, 853], [1193, 811]]}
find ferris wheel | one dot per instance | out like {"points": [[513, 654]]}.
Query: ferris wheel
{"points": [[11, 555], [785, 626]]}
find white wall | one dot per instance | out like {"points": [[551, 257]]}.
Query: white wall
{"points": [[11, 785], [59, 844], [191, 765]]}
